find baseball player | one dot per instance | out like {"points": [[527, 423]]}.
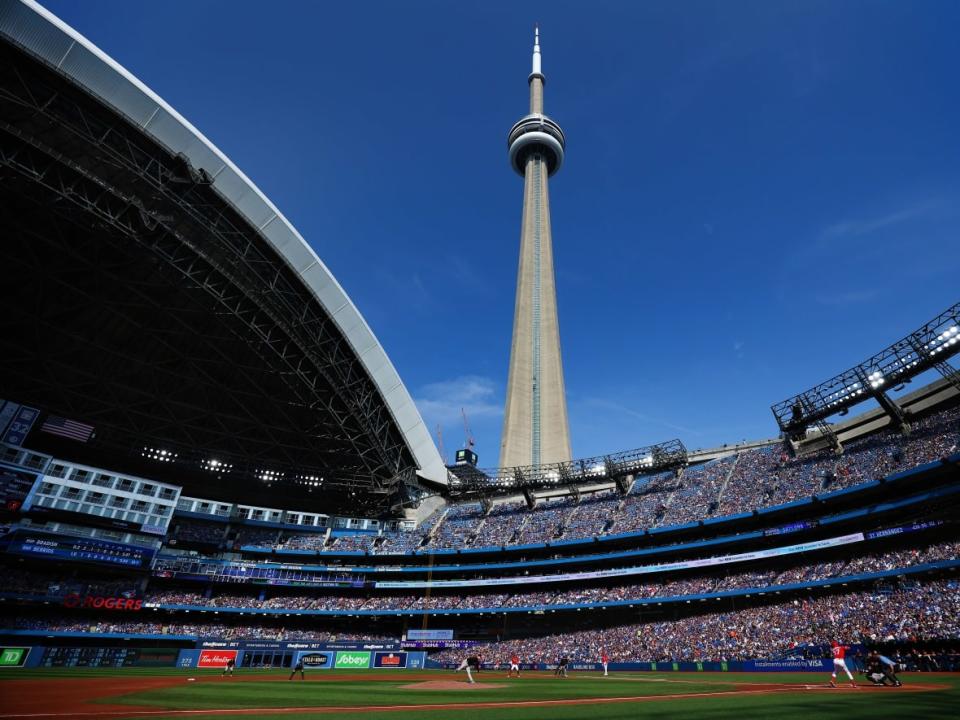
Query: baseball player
{"points": [[514, 665], [469, 664], [561, 670], [839, 653], [604, 660], [228, 668], [298, 668]]}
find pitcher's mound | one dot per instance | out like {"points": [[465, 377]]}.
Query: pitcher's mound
{"points": [[451, 685]]}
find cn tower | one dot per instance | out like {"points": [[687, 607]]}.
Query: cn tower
{"points": [[535, 428]]}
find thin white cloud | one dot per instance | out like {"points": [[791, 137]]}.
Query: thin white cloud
{"points": [[866, 226], [604, 404], [846, 298], [440, 402]]}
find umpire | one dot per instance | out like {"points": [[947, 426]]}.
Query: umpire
{"points": [[879, 666]]}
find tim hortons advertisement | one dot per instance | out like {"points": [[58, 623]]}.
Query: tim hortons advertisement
{"points": [[215, 658]]}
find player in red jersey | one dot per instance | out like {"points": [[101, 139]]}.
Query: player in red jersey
{"points": [[514, 665], [839, 652], [604, 660]]}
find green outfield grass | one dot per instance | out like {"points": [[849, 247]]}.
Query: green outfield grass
{"points": [[760, 695]]}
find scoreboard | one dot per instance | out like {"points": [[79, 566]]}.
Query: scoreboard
{"points": [[60, 547]]}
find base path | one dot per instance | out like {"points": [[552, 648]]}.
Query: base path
{"points": [[62, 699]]}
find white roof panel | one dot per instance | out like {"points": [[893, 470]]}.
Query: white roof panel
{"points": [[42, 33]]}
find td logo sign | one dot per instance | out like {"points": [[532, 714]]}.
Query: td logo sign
{"points": [[352, 660], [13, 656]]}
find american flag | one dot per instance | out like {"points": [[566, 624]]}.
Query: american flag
{"points": [[56, 425]]}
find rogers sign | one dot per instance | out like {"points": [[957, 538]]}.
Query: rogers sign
{"points": [[215, 658], [101, 603]]}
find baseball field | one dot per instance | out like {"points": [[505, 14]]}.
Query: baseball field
{"points": [[117, 694]]}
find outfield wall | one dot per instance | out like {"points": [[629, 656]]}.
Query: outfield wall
{"points": [[339, 656]]}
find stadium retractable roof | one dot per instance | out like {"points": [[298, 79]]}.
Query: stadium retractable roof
{"points": [[163, 299]]}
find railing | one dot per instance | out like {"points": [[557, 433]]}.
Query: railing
{"points": [[467, 481]]}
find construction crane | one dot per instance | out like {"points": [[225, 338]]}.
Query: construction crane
{"points": [[468, 441], [466, 455]]}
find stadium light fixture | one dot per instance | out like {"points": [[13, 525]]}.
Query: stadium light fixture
{"points": [[159, 454], [925, 348], [217, 466]]}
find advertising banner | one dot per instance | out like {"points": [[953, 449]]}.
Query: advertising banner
{"points": [[792, 527], [913, 527], [315, 660], [13, 656], [430, 634], [390, 660], [215, 658], [73, 600], [785, 665], [639, 570], [352, 660], [437, 644]]}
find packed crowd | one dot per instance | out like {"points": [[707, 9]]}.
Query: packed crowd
{"points": [[593, 515], [198, 532], [738, 483], [197, 628], [463, 522], [656, 587], [730, 485], [256, 536], [909, 613], [303, 541], [18, 581], [770, 477], [354, 543], [545, 523]]}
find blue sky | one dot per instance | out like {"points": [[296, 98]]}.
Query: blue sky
{"points": [[756, 195]]}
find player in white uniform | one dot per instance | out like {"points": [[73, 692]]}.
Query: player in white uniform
{"points": [[470, 664], [839, 653]]}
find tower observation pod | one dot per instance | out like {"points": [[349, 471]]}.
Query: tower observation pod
{"points": [[535, 427]]}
